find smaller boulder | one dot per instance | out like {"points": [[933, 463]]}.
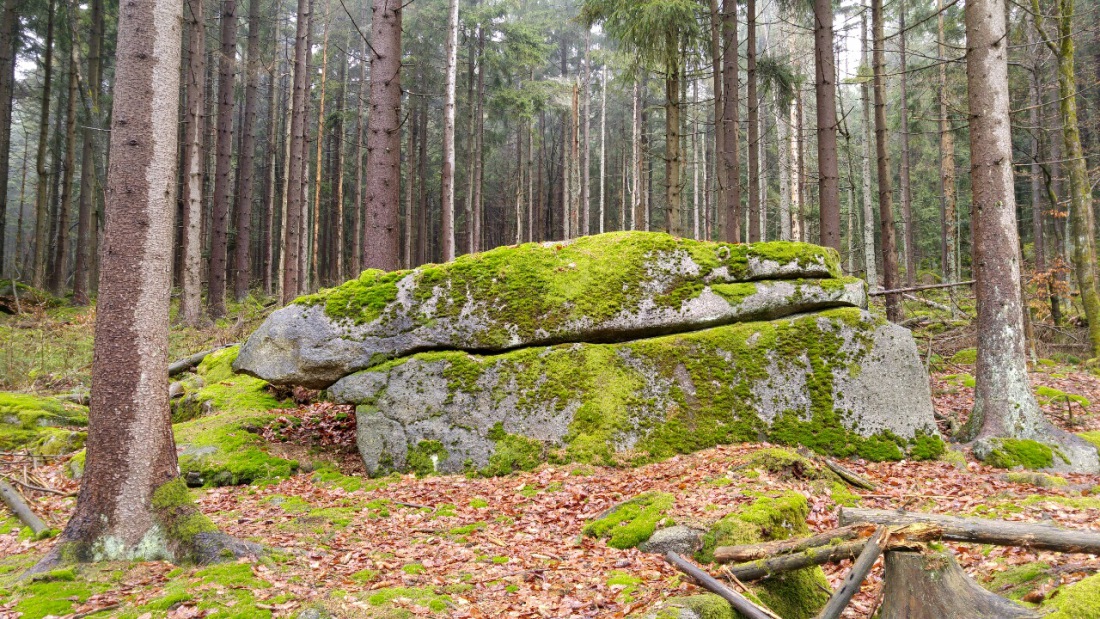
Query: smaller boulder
{"points": [[680, 539]]}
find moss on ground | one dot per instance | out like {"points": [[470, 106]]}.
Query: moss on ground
{"points": [[41, 425], [1017, 581], [226, 449], [632, 522], [793, 595], [1052, 396], [1080, 600], [228, 392], [1035, 479], [1011, 452], [966, 356], [543, 286], [424, 597]]}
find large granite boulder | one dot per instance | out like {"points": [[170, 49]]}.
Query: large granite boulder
{"points": [[623, 347], [608, 288]]}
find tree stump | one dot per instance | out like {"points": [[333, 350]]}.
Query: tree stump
{"points": [[933, 586]]}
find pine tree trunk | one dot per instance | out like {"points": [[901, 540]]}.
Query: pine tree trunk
{"points": [[731, 163], [800, 117], [753, 103], [636, 161], [1003, 403], [447, 173], [360, 164], [58, 274], [314, 228], [219, 229], [1035, 169], [272, 146], [132, 504], [304, 225], [296, 172], [41, 205], [337, 268], [422, 212], [885, 189], [603, 145], [9, 40], [906, 193], [242, 249], [86, 218], [585, 160], [413, 132], [870, 260], [479, 145], [783, 130], [383, 247], [825, 87], [190, 311], [469, 150], [947, 161]]}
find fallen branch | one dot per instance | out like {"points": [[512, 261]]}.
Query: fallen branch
{"points": [[36, 488], [982, 531], [849, 475], [752, 552], [185, 364], [932, 304], [739, 602], [878, 293], [19, 507], [871, 551]]}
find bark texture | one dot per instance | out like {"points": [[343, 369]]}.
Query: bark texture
{"points": [[242, 254], [219, 224], [9, 40], [825, 87], [296, 167], [382, 248], [933, 586], [885, 175]]}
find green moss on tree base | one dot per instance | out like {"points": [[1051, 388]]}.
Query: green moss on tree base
{"points": [[630, 523], [176, 511]]}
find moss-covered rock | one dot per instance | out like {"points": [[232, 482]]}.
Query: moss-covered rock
{"points": [[632, 522], [610, 287], [839, 381], [792, 595], [226, 449], [1007, 453], [1080, 600], [215, 388], [41, 425]]}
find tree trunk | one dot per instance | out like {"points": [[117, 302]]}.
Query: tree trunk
{"points": [[268, 259], [41, 205], [219, 229], [753, 104], [825, 87], [603, 145], [132, 504], [447, 172], [906, 194], [86, 218], [242, 250], [479, 145], [468, 207], [731, 156], [315, 222], [296, 172], [360, 136], [885, 189], [1003, 403], [190, 311], [383, 247], [9, 41], [413, 133], [586, 149], [932, 586], [672, 149], [636, 161], [717, 86], [947, 160], [870, 260], [58, 275], [782, 129], [337, 268]]}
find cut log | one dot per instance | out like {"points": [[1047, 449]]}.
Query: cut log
{"points": [[182, 365], [933, 586], [752, 552], [982, 531], [19, 507], [871, 551], [740, 603], [932, 304]]}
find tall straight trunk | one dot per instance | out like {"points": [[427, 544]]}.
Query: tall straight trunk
{"points": [[479, 145], [315, 227], [947, 160], [336, 269], [413, 132], [636, 161], [585, 160], [903, 177], [731, 156], [1081, 218], [20, 257], [190, 311], [422, 212], [9, 41], [825, 88], [468, 207], [672, 149], [762, 162], [520, 190], [800, 112], [296, 170], [131, 503], [304, 230], [753, 103], [268, 241], [694, 161], [242, 250], [41, 205], [794, 158], [870, 260], [1035, 173], [58, 274], [783, 130], [719, 93], [219, 229], [1003, 403], [573, 166], [603, 144], [447, 171], [86, 217], [383, 228], [885, 189], [360, 136]]}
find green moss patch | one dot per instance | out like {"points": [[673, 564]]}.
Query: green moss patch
{"points": [[225, 391], [966, 356], [226, 449], [419, 596], [1051, 396], [41, 425], [630, 523], [799, 594], [1041, 480], [513, 453], [1011, 452], [1080, 600], [1016, 582]]}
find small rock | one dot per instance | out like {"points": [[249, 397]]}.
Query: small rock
{"points": [[679, 539], [175, 390]]}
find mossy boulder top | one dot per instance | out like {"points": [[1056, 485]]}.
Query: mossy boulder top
{"points": [[609, 288]]}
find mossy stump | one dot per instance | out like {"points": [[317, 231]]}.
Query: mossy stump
{"points": [[933, 586]]}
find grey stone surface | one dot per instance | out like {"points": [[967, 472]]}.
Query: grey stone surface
{"points": [[680, 539], [551, 393]]}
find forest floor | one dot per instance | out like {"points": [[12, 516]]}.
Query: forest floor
{"points": [[455, 546]]}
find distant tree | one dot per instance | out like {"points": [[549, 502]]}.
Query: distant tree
{"points": [[825, 88], [296, 168], [190, 311], [242, 256], [41, 203], [382, 248], [9, 43], [219, 224], [885, 174], [1003, 403], [132, 502], [86, 217], [731, 159]]}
